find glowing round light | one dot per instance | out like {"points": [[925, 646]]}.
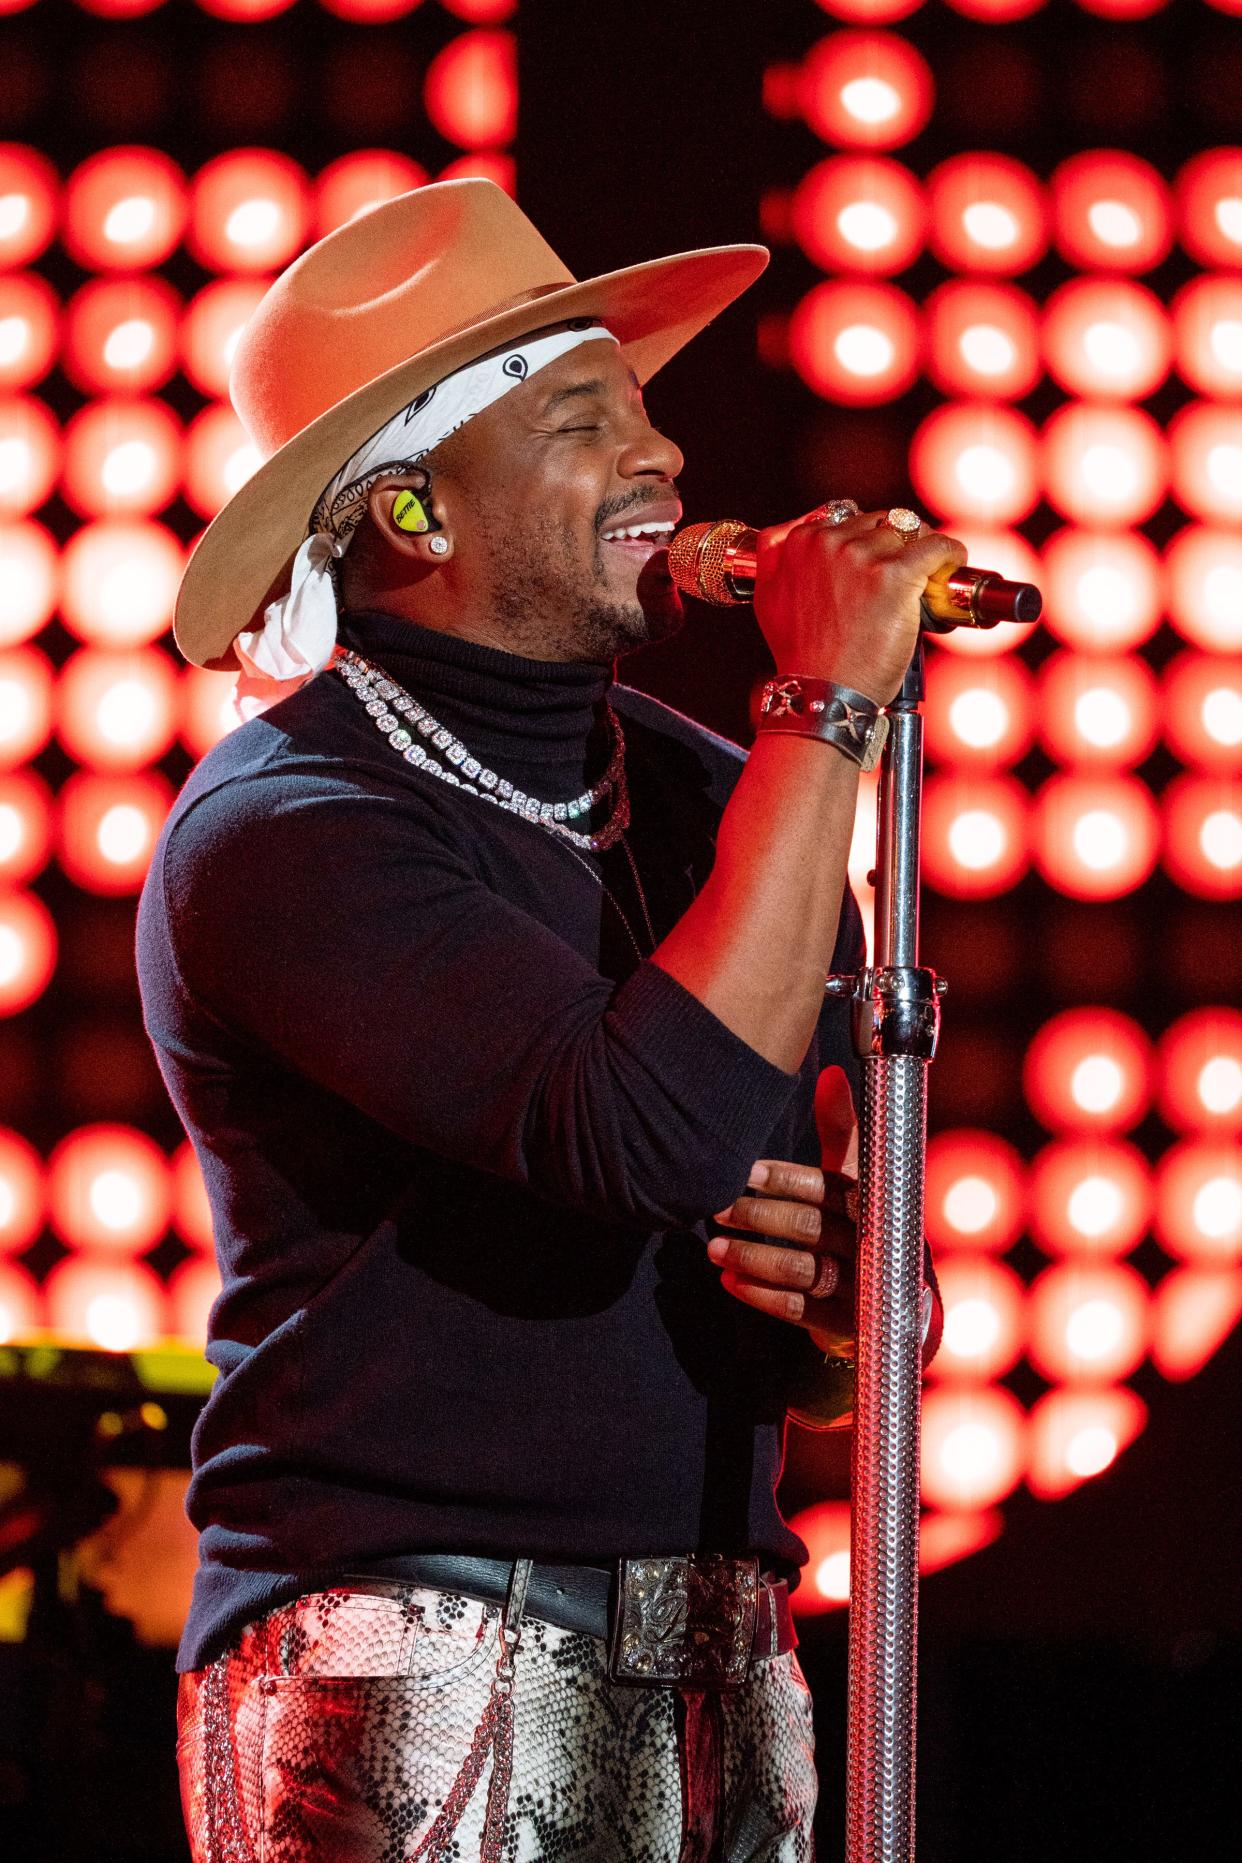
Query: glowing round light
{"points": [[117, 711], [1207, 334], [1101, 591], [972, 1446], [987, 214], [192, 1292], [855, 343], [983, 1332], [977, 713], [121, 335], [373, 12], [124, 210], [1089, 1321], [121, 457], [1098, 711], [470, 90], [360, 181], [245, 9], [21, 1193], [866, 90], [1104, 465], [108, 829], [117, 1306], [29, 329], [29, 455], [249, 211], [29, 192], [1199, 1202], [120, 582], [974, 835], [1075, 1435], [983, 340], [108, 1188], [484, 165], [1203, 710], [1107, 337], [1200, 1073], [860, 214], [1123, 9], [27, 951], [213, 322], [19, 1303], [1194, 1312], [997, 11], [1205, 448], [25, 704], [1088, 1196], [492, 12], [1009, 554], [825, 1531], [191, 1212], [1094, 837], [1205, 587], [28, 580], [977, 461], [208, 714], [219, 457], [975, 1191], [1112, 210], [25, 827], [1209, 205], [1088, 1068], [1203, 835]]}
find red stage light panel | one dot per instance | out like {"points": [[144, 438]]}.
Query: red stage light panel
{"points": [[21, 1193], [27, 951], [213, 322], [976, 460], [866, 12], [191, 1212], [975, 1191], [25, 827], [219, 457], [1101, 591], [471, 90], [973, 1446], [29, 329], [1203, 710], [1110, 211], [208, 713], [1009, 555], [1199, 1202], [1088, 1068], [108, 1188], [1209, 204], [987, 214], [19, 1303], [360, 181], [120, 581], [1090, 1196], [116, 710], [1107, 337], [25, 704], [1193, 1313], [29, 455], [859, 214], [977, 713], [1203, 835], [372, 12], [1104, 465], [866, 90], [982, 340], [975, 842], [983, 1324], [245, 9], [125, 209], [117, 1306], [121, 335], [1200, 1072], [29, 194], [249, 211], [192, 1291], [1123, 9], [28, 580], [108, 829], [1077, 1434], [825, 1531], [1205, 450], [490, 12], [997, 12], [1089, 1322], [1204, 569], [855, 343], [122, 458], [1095, 837], [1207, 335], [1098, 711]]}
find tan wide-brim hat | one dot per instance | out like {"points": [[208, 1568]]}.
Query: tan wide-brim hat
{"points": [[366, 320]]}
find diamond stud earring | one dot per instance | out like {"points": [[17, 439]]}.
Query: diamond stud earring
{"points": [[438, 545]]}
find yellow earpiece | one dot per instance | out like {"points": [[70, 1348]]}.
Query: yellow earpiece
{"points": [[408, 513]]}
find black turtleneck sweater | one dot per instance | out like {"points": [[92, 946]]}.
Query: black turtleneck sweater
{"points": [[460, 1142]]}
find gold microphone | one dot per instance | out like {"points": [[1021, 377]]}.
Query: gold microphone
{"points": [[716, 563]]}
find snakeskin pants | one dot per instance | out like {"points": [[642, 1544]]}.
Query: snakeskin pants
{"points": [[336, 1729]]}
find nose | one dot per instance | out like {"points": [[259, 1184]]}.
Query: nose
{"points": [[649, 454]]}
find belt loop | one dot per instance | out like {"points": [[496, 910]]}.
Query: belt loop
{"points": [[515, 1603]]}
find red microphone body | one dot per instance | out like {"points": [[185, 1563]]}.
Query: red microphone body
{"points": [[716, 563]]}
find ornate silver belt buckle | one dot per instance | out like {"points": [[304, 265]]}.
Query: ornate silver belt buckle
{"points": [[688, 1622]]}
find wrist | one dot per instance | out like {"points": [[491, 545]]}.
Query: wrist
{"points": [[804, 706]]}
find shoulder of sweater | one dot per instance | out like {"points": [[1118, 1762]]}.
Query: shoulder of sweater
{"points": [[666, 722]]}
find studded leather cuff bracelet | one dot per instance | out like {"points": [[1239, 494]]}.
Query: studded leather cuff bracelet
{"points": [[818, 708]]}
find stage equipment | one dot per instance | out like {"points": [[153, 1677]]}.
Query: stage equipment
{"points": [[895, 1006]]}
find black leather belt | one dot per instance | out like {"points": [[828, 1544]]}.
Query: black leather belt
{"points": [[574, 1597]]}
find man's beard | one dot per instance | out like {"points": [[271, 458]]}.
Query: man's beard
{"points": [[552, 610]]}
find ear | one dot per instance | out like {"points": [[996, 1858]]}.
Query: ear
{"points": [[401, 512]]}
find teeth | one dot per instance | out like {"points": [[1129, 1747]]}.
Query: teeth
{"points": [[638, 530]]}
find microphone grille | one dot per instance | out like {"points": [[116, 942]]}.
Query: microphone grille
{"points": [[697, 560]]}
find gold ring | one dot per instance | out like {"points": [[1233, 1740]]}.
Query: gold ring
{"points": [[835, 511], [907, 524]]}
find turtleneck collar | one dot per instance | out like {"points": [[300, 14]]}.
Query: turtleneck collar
{"points": [[509, 711]]}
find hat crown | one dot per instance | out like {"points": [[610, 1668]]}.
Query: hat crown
{"points": [[376, 292]]}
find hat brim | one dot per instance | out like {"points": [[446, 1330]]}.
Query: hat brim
{"points": [[244, 557]]}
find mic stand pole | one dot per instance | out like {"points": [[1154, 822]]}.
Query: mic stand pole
{"points": [[896, 1014]]}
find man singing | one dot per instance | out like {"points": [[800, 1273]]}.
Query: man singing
{"points": [[485, 988]]}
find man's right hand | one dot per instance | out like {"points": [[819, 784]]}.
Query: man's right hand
{"points": [[841, 601]]}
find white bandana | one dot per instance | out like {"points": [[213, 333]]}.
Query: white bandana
{"points": [[299, 631]]}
